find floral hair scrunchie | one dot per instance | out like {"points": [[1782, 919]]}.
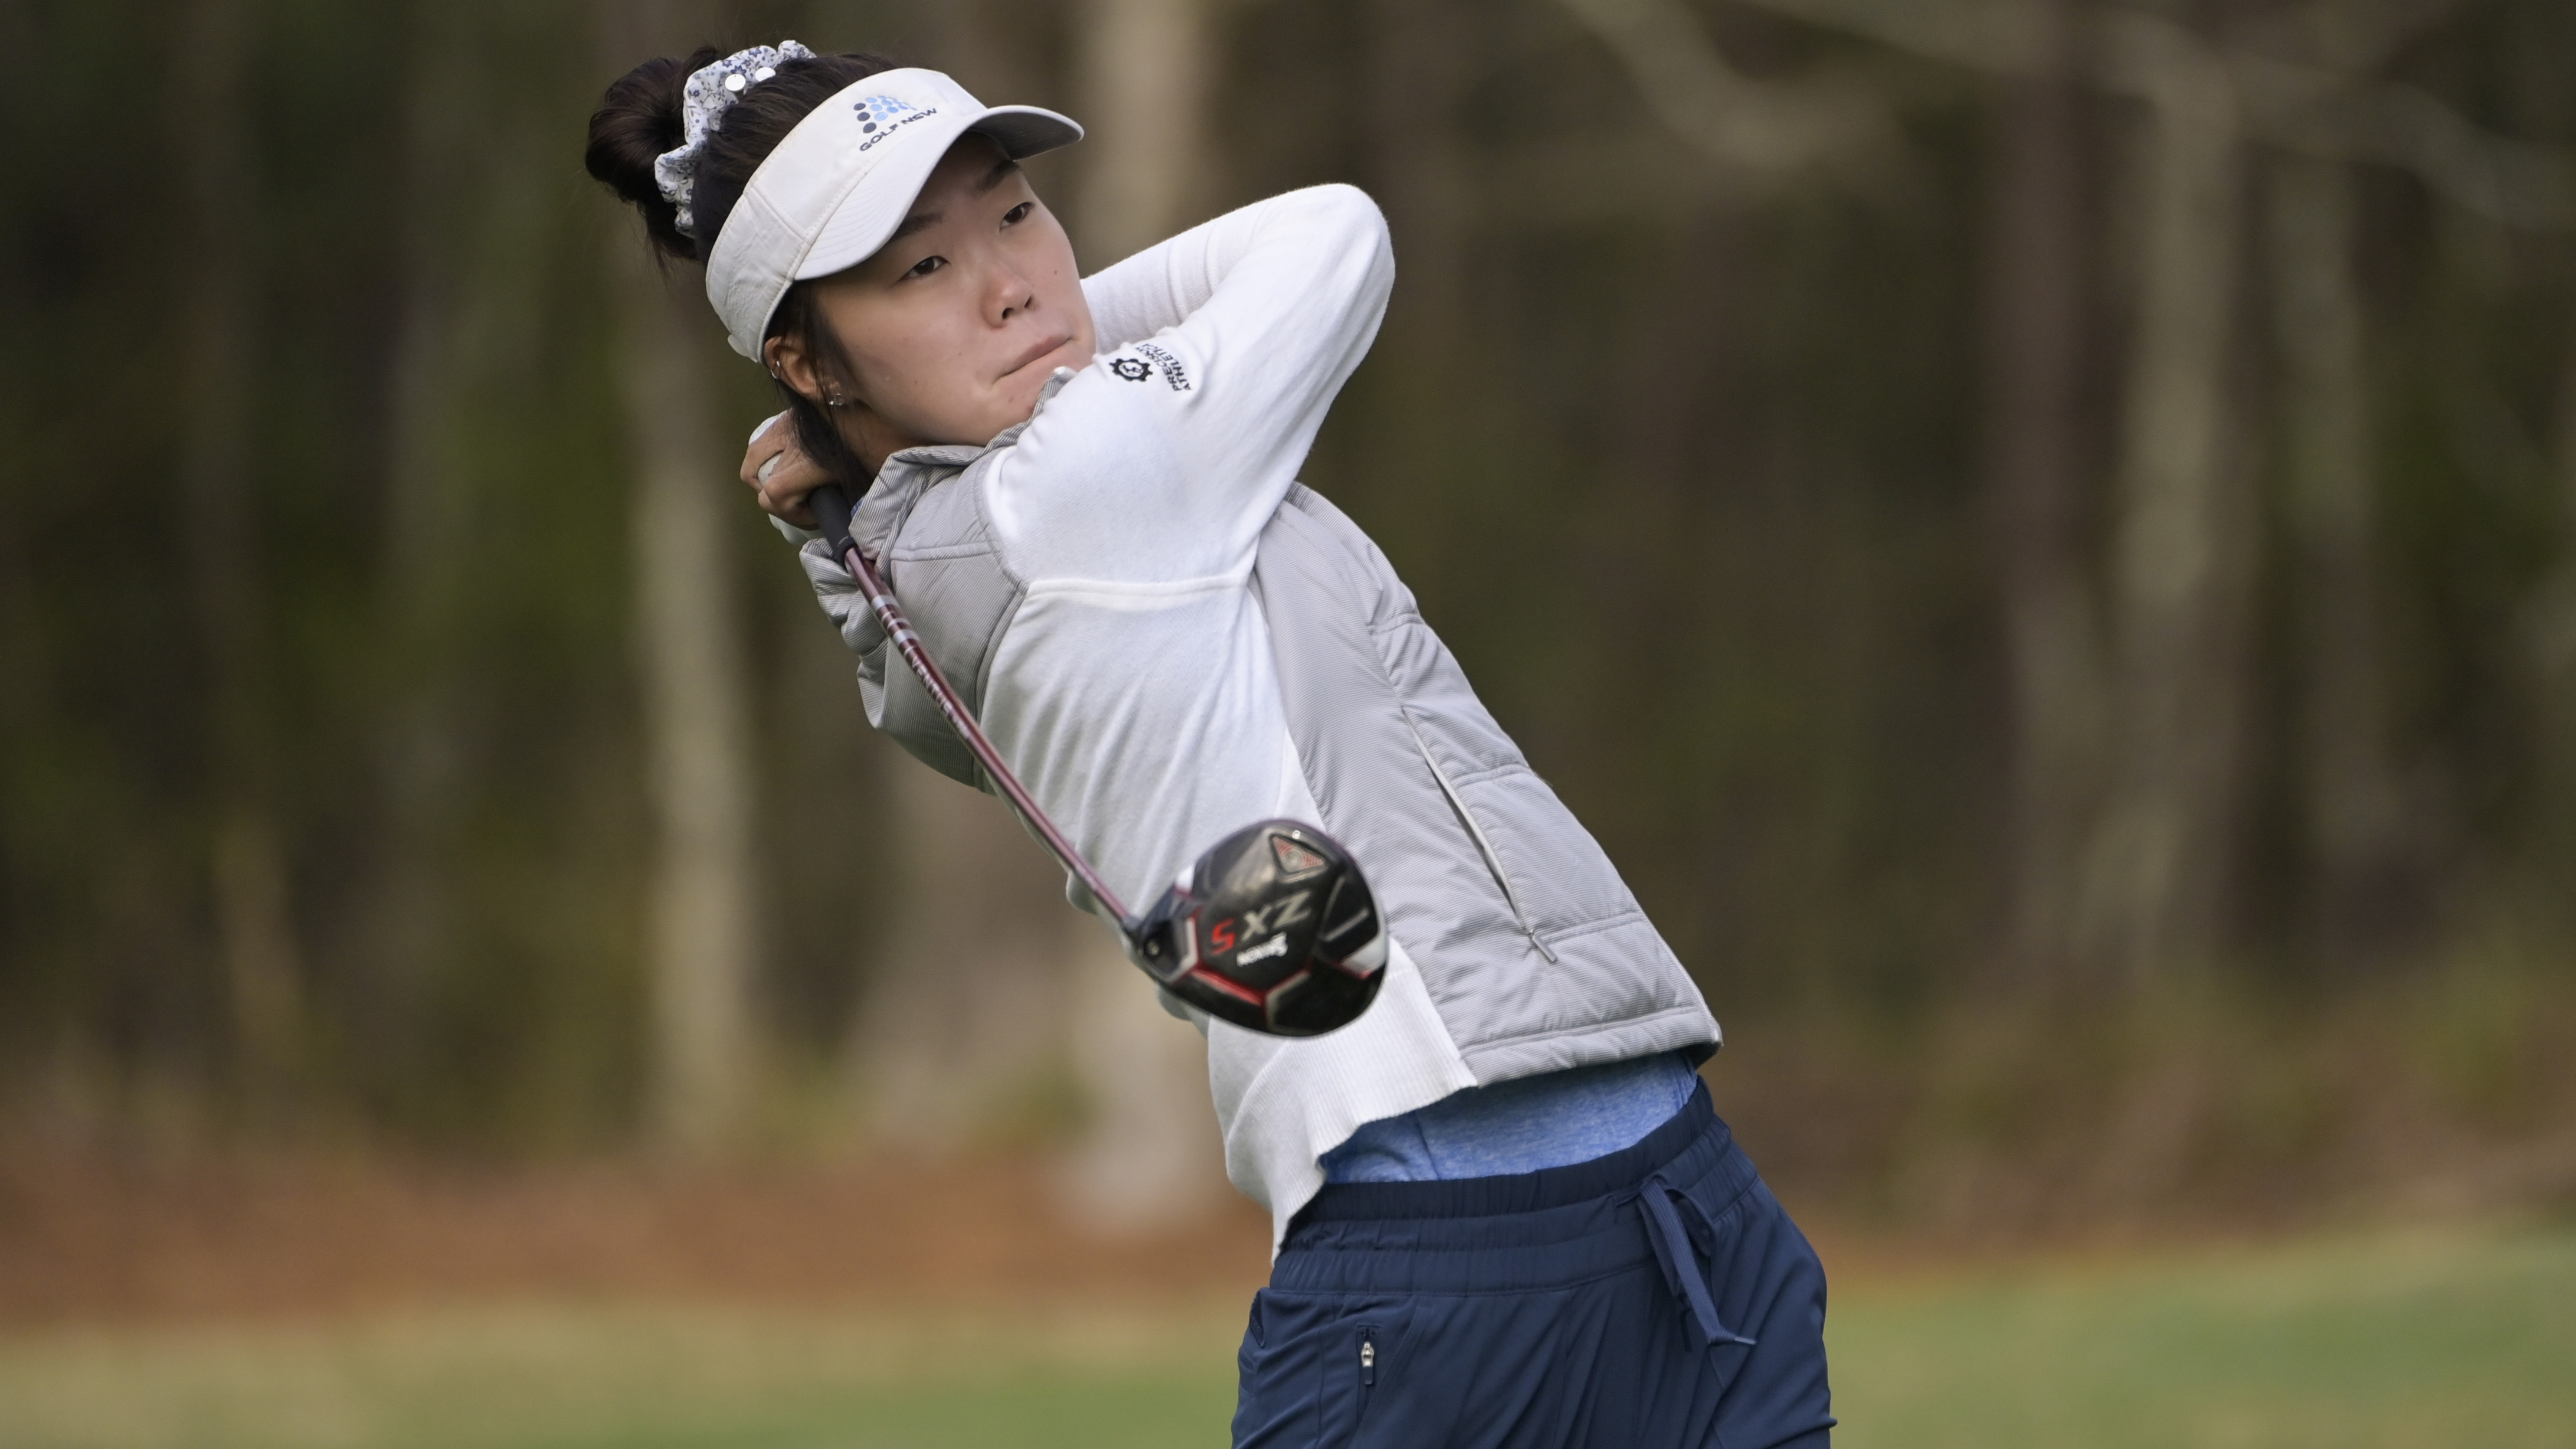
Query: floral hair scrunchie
{"points": [[710, 92]]}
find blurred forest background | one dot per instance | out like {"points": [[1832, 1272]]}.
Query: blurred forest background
{"points": [[2040, 534]]}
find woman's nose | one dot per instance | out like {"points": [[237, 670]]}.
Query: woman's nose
{"points": [[1010, 294]]}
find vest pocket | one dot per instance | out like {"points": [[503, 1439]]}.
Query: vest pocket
{"points": [[1476, 832]]}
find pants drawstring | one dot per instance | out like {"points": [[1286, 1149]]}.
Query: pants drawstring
{"points": [[1678, 1252]]}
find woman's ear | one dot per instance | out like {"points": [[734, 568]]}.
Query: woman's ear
{"points": [[788, 361], [859, 425]]}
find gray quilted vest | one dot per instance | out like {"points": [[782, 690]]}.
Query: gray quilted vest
{"points": [[1534, 951]]}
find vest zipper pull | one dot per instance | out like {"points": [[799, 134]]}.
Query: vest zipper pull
{"points": [[1368, 1358]]}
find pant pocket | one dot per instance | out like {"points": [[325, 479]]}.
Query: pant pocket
{"points": [[1365, 1374], [1316, 1370], [1280, 1372]]}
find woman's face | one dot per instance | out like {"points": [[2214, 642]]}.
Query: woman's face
{"points": [[955, 324]]}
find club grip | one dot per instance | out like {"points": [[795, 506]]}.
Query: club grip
{"points": [[832, 515]]}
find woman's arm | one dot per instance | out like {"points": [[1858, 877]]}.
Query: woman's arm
{"points": [[1162, 285], [1221, 350]]}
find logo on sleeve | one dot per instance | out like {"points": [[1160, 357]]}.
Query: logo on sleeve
{"points": [[1137, 369], [1173, 373]]}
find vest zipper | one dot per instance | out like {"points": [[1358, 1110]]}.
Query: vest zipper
{"points": [[1484, 847]]}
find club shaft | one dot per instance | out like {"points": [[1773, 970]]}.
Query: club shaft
{"points": [[831, 505]]}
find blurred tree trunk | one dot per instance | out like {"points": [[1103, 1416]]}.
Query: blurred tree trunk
{"points": [[411, 921], [1419, 60], [1143, 72], [701, 940], [255, 936], [2354, 814], [701, 943], [2036, 314], [993, 49], [2156, 863], [2540, 41], [2552, 633], [963, 1023], [46, 1048]]}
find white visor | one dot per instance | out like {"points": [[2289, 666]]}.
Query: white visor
{"points": [[843, 180]]}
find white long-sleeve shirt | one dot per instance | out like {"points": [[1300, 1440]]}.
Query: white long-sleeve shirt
{"points": [[1134, 690]]}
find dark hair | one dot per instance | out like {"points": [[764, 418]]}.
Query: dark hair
{"points": [[640, 118]]}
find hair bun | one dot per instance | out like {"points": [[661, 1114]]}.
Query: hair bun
{"points": [[638, 120]]}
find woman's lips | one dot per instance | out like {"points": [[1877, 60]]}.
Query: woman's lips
{"points": [[1043, 349]]}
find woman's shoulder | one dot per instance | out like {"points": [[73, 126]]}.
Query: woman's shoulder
{"points": [[926, 503]]}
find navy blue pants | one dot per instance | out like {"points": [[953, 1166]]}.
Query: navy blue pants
{"points": [[1652, 1299]]}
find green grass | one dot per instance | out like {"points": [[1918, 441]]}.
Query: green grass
{"points": [[2390, 1344], [628, 1378], [2431, 1341]]}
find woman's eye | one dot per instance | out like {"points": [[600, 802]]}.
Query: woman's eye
{"points": [[926, 266], [1019, 213]]}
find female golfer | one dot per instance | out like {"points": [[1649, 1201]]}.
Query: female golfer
{"points": [[1504, 1211]]}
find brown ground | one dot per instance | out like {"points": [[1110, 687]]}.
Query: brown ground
{"points": [[92, 1235], [85, 1236], [1992, 1139]]}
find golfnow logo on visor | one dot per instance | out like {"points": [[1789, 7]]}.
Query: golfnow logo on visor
{"points": [[882, 116]]}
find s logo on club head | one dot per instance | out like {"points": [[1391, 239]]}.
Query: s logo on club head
{"points": [[1274, 931]]}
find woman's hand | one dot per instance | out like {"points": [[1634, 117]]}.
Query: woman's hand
{"points": [[776, 469]]}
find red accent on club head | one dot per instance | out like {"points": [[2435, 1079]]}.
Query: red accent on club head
{"points": [[1234, 989], [1294, 859]]}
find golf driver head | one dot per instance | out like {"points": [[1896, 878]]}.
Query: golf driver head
{"points": [[1274, 930]]}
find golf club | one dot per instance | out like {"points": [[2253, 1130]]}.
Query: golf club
{"points": [[1273, 929]]}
